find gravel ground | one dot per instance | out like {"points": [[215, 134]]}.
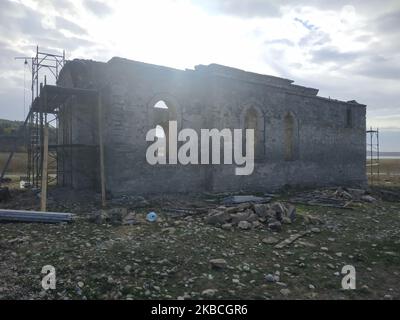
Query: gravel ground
{"points": [[170, 258]]}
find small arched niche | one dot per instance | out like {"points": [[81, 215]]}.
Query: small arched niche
{"points": [[290, 137], [254, 119]]}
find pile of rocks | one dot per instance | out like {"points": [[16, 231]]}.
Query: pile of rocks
{"points": [[250, 215]]}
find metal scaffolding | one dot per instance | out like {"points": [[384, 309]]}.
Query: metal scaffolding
{"points": [[38, 117], [373, 153], [49, 104]]}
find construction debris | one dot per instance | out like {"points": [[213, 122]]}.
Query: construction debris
{"points": [[249, 215], [34, 216]]}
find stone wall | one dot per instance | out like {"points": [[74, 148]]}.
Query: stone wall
{"points": [[302, 139]]}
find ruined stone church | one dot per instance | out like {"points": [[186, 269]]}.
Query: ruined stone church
{"points": [[301, 139]]}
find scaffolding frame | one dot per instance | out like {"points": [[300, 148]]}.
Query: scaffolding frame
{"points": [[374, 161], [38, 117], [54, 100]]}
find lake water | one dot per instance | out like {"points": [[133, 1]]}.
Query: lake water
{"points": [[385, 157]]}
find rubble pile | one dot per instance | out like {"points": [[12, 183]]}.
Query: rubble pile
{"points": [[336, 198], [246, 216]]}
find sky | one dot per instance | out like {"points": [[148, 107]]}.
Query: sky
{"points": [[349, 50]]}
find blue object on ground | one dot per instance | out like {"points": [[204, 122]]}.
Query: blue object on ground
{"points": [[151, 216]]}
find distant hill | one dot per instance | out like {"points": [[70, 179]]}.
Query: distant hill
{"points": [[10, 134], [9, 127]]}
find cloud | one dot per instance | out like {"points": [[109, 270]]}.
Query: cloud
{"points": [[331, 54], [388, 23], [349, 49], [246, 9], [283, 42], [98, 8], [389, 70], [64, 24]]}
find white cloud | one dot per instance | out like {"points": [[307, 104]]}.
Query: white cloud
{"points": [[347, 49]]}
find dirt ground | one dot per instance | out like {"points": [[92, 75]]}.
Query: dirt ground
{"points": [[170, 258]]}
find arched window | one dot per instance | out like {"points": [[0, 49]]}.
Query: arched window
{"points": [[290, 137], [253, 119], [163, 113], [161, 105]]}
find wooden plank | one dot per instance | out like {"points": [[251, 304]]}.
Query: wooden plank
{"points": [[43, 194], [291, 239], [101, 149], [34, 216]]}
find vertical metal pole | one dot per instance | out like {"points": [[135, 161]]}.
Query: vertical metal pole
{"points": [[43, 197], [372, 157], [377, 152], [101, 151]]}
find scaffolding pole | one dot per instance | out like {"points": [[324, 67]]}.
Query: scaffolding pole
{"points": [[374, 161]]}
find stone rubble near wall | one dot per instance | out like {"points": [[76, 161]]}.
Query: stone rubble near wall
{"points": [[337, 198], [247, 216]]}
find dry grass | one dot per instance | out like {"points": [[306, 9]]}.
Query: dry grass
{"points": [[389, 173]]}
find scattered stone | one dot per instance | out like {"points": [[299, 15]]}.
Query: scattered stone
{"points": [[209, 293], [218, 218], [128, 268], [285, 292], [271, 278], [130, 219], [286, 220], [368, 198], [270, 240], [227, 226], [218, 263], [316, 230], [170, 230], [331, 266], [275, 226], [256, 224], [244, 225], [261, 210]]}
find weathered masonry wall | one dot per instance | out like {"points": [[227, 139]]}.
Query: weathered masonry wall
{"points": [[301, 139]]}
